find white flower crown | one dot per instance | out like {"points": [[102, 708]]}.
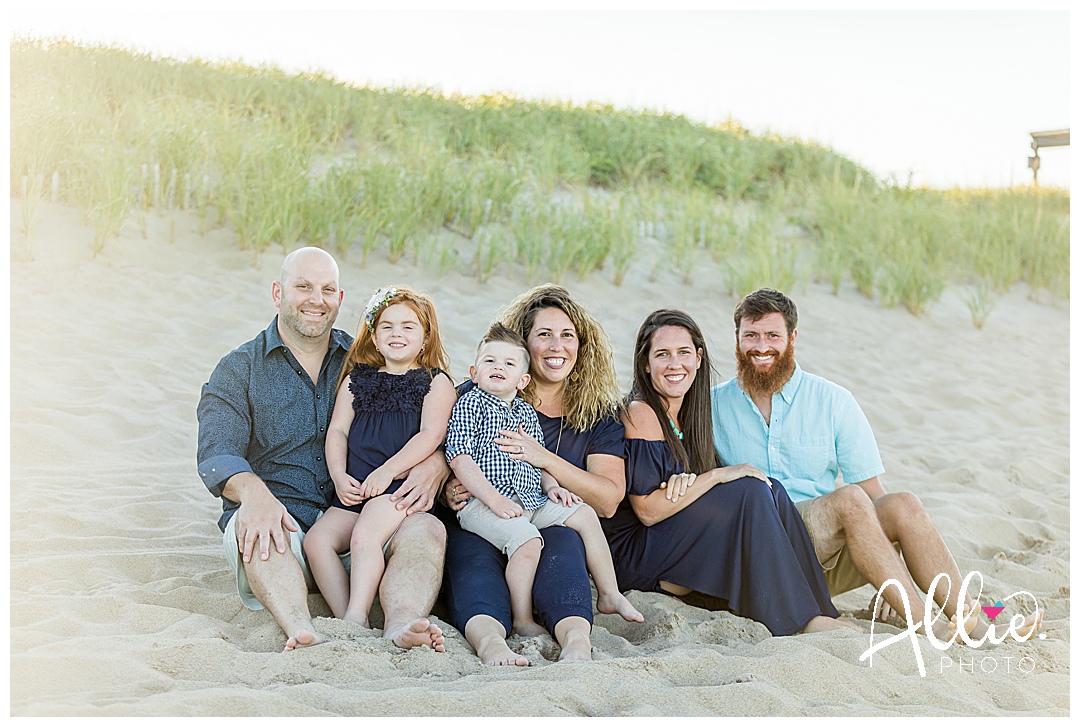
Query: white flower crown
{"points": [[375, 304]]}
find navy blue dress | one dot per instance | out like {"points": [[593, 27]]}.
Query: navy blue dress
{"points": [[474, 579], [741, 542], [386, 415]]}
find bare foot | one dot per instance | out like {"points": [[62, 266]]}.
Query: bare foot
{"points": [[620, 604], [827, 623], [529, 628], [301, 639], [851, 624], [420, 632], [973, 626], [1031, 625], [577, 648], [977, 628], [358, 619], [493, 651]]}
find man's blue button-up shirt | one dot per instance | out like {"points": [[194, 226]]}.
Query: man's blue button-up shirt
{"points": [[260, 412], [817, 431]]}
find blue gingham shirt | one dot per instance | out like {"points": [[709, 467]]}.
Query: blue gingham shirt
{"points": [[817, 431], [261, 413], [475, 423]]}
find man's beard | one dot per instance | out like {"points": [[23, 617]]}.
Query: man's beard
{"points": [[765, 382], [308, 329]]}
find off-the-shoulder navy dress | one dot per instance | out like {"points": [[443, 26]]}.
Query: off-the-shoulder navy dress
{"points": [[474, 579], [741, 542], [387, 410]]}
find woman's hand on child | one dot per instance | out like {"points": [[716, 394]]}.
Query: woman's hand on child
{"points": [[520, 445], [563, 496], [505, 508], [349, 490]]}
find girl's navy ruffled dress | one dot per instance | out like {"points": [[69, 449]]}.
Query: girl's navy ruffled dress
{"points": [[387, 409], [741, 542]]}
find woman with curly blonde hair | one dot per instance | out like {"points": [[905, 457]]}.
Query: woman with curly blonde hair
{"points": [[575, 392]]}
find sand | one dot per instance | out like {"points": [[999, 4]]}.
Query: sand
{"points": [[121, 603]]}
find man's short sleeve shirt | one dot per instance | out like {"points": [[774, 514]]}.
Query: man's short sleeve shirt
{"points": [[817, 432]]}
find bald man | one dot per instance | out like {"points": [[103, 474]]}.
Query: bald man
{"points": [[262, 429]]}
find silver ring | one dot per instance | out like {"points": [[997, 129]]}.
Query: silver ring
{"points": [[521, 449]]}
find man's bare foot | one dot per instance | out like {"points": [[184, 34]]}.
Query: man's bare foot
{"points": [[973, 626], [529, 628], [420, 632], [976, 628], [493, 651], [620, 604], [578, 647], [302, 639], [827, 623], [1031, 625]]}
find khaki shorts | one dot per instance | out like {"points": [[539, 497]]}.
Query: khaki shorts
{"points": [[840, 573], [243, 588], [509, 534]]}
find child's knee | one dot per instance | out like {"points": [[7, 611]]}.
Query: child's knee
{"points": [[313, 541], [529, 550], [362, 537], [584, 518]]}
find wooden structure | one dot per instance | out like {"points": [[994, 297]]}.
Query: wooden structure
{"points": [[1040, 139]]}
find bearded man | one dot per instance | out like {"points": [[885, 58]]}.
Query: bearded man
{"points": [[806, 431]]}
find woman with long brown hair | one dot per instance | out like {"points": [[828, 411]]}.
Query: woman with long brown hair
{"points": [[690, 526]]}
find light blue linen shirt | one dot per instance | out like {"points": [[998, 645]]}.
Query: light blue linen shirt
{"points": [[817, 431]]}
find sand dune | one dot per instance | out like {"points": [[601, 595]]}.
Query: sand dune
{"points": [[121, 603]]}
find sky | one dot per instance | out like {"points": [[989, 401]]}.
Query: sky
{"points": [[938, 98]]}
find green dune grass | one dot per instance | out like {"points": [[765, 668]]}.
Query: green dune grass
{"points": [[541, 190]]}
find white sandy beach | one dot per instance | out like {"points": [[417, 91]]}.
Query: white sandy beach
{"points": [[122, 604]]}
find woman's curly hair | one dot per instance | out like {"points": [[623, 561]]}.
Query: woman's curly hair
{"points": [[591, 392]]}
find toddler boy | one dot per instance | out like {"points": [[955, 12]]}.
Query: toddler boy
{"points": [[512, 499]]}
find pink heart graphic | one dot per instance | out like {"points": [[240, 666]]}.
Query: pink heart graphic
{"points": [[993, 611]]}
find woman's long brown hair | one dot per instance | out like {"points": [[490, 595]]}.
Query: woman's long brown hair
{"points": [[696, 451]]}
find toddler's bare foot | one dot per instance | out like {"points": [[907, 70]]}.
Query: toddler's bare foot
{"points": [[529, 628], [420, 632], [620, 604], [360, 619], [302, 639]]}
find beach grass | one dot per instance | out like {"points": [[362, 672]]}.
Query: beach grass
{"points": [[538, 189]]}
